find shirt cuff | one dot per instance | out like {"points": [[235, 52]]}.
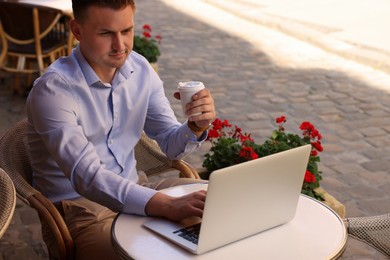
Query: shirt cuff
{"points": [[193, 138], [137, 199], [193, 142]]}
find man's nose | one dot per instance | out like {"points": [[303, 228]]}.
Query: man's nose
{"points": [[117, 43]]}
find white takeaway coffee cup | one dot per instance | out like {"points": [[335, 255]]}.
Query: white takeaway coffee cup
{"points": [[187, 90]]}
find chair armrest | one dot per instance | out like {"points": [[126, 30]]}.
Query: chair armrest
{"points": [[373, 230], [152, 160], [186, 170], [49, 213]]}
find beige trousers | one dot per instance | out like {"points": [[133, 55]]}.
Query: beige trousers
{"points": [[90, 223]]}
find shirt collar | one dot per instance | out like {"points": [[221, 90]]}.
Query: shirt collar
{"points": [[90, 76]]}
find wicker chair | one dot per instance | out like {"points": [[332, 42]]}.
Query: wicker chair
{"points": [[15, 160], [153, 161], [32, 37], [7, 201], [374, 231]]}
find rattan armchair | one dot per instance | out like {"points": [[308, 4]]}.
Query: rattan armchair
{"points": [[7, 201], [374, 231], [32, 37], [153, 161], [15, 160]]}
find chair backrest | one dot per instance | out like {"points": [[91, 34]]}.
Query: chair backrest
{"points": [[32, 33], [7, 201], [374, 230], [15, 159], [23, 22]]}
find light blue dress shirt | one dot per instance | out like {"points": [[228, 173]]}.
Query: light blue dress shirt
{"points": [[82, 132]]}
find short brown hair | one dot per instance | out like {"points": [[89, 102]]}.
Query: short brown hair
{"points": [[80, 6]]}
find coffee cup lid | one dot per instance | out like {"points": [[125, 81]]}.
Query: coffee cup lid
{"points": [[190, 84]]}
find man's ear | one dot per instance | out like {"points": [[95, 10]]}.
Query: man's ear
{"points": [[75, 28]]}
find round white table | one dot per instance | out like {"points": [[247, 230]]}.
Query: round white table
{"points": [[63, 5], [316, 232]]}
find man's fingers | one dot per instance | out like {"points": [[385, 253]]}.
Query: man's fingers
{"points": [[201, 94]]}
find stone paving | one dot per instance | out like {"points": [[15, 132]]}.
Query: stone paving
{"points": [[256, 74]]}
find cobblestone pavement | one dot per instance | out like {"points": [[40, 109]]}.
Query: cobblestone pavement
{"points": [[255, 75]]}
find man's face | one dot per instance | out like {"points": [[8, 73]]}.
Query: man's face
{"points": [[106, 38]]}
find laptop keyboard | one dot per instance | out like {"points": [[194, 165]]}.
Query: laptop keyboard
{"points": [[190, 233]]}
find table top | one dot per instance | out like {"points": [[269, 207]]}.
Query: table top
{"points": [[316, 230], [64, 5]]}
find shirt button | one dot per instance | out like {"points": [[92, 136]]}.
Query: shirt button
{"points": [[111, 141]]}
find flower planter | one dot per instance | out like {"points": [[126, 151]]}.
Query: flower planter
{"points": [[332, 202]]}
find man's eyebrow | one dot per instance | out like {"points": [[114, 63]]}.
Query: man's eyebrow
{"points": [[129, 28], [110, 30]]}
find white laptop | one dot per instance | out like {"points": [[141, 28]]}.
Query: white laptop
{"points": [[242, 200]]}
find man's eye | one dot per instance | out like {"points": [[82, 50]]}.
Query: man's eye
{"points": [[126, 31]]}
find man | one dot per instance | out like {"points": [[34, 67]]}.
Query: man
{"points": [[86, 114]]}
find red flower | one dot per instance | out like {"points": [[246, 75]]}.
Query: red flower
{"points": [[254, 155], [316, 134], [147, 27], [309, 177], [310, 131], [280, 120], [314, 153], [217, 124], [213, 133], [318, 146], [147, 34], [248, 153], [306, 126], [237, 132], [225, 123], [246, 137], [216, 131], [158, 38]]}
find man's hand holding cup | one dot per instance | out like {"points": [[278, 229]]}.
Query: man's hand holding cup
{"points": [[197, 105]]}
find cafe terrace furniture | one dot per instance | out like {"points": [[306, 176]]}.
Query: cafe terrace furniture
{"points": [[316, 232], [64, 5], [153, 161], [7, 201], [15, 160], [32, 37], [373, 230]]}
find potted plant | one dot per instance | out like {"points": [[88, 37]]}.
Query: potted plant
{"points": [[230, 145], [147, 45]]}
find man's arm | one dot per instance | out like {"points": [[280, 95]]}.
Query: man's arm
{"points": [[55, 115]]}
